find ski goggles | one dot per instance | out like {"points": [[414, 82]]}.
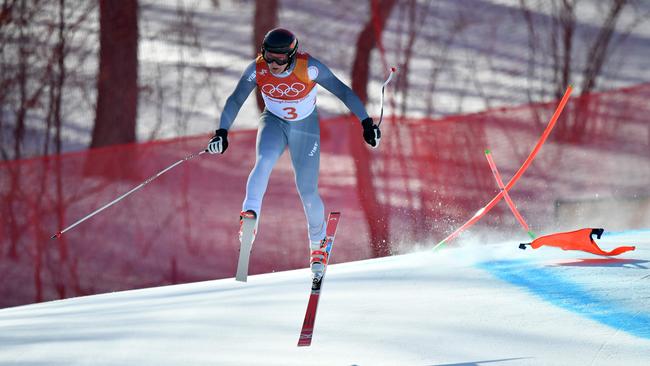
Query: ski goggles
{"points": [[278, 60]]}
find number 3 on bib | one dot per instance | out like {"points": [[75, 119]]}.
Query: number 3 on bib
{"points": [[290, 113]]}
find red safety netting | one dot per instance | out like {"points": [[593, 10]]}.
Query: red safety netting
{"points": [[427, 178]]}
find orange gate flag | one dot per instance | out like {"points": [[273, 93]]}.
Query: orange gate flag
{"points": [[576, 240]]}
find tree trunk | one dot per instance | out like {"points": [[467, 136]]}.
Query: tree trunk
{"points": [[266, 18], [117, 81], [375, 216]]}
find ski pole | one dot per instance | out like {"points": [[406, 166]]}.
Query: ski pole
{"points": [[390, 76], [118, 199]]}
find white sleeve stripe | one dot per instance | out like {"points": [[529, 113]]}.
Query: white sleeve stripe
{"points": [[312, 72]]}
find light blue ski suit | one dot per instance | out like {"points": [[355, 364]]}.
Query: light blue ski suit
{"points": [[302, 137]]}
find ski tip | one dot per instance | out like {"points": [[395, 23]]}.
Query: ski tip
{"points": [[487, 152], [56, 236], [393, 69]]}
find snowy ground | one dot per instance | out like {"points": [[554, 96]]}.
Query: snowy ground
{"points": [[466, 305]]}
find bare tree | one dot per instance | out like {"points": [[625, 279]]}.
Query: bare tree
{"points": [[597, 54], [565, 55], [416, 16], [440, 58], [375, 216], [117, 80], [22, 79], [265, 19]]}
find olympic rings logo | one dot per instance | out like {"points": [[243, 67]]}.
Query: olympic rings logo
{"points": [[283, 90]]}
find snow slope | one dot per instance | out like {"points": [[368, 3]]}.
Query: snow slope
{"points": [[472, 304]]}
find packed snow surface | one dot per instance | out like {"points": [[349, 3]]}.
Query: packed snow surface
{"points": [[470, 303]]}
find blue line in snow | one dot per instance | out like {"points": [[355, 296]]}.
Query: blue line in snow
{"points": [[551, 287]]}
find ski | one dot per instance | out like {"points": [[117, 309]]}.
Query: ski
{"points": [[317, 284], [247, 236]]}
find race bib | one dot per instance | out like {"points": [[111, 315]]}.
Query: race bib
{"points": [[292, 97]]}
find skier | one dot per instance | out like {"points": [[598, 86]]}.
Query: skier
{"points": [[287, 81]]}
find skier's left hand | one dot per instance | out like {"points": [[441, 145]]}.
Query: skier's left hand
{"points": [[371, 132]]}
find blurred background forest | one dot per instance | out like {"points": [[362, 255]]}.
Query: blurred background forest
{"points": [[78, 74]]}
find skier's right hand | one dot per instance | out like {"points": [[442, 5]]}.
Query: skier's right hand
{"points": [[219, 142]]}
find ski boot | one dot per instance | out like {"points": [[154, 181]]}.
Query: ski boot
{"points": [[247, 232], [247, 216], [318, 258]]}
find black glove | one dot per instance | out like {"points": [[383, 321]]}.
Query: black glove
{"points": [[371, 132], [219, 142]]}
